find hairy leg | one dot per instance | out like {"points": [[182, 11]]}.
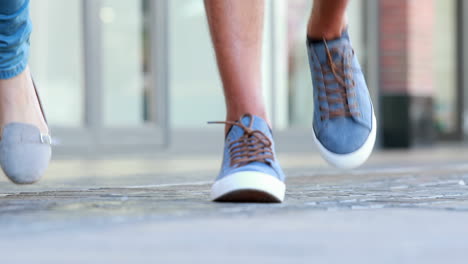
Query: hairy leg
{"points": [[236, 28]]}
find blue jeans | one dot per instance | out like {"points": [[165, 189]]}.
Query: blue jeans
{"points": [[15, 29]]}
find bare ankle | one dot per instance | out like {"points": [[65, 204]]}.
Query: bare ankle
{"points": [[323, 31], [19, 103], [328, 19]]}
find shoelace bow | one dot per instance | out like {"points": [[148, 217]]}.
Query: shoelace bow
{"points": [[253, 146], [340, 76]]}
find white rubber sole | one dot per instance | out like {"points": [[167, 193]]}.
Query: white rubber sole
{"points": [[354, 159], [248, 186]]}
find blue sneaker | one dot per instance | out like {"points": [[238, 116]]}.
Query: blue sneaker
{"points": [[250, 171], [344, 124]]}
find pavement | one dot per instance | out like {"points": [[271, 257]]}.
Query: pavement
{"points": [[400, 207]]}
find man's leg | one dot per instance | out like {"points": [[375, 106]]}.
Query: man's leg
{"points": [[344, 122], [328, 19], [236, 28], [250, 171], [24, 151]]}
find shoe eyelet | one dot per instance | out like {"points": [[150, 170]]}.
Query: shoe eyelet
{"points": [[46, 139]]}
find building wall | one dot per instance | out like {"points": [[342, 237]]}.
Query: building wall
{"points": [[419, 64]]}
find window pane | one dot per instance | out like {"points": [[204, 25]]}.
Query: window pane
{"points": [[57, 59], [123, 62], [196, 94], [300, 84]]}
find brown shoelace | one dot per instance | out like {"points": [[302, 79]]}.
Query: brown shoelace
{"points": [[339, 72], [253, 146]]}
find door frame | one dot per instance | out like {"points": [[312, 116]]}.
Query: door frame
{"points": [[93, 137]]}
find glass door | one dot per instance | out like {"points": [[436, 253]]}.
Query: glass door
{"points": [[101, 67]]}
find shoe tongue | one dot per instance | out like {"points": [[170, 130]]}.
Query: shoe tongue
{"points": [[320, 48], [258, 124]]}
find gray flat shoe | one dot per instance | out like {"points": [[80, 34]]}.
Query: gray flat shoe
{"points": [[24, 151]]}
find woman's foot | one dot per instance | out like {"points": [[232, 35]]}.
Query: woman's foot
{"points": [[25, 149], [19, 102]]}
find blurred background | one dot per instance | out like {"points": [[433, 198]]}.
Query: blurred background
{"points": [[128, 86], [140, 76]]}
